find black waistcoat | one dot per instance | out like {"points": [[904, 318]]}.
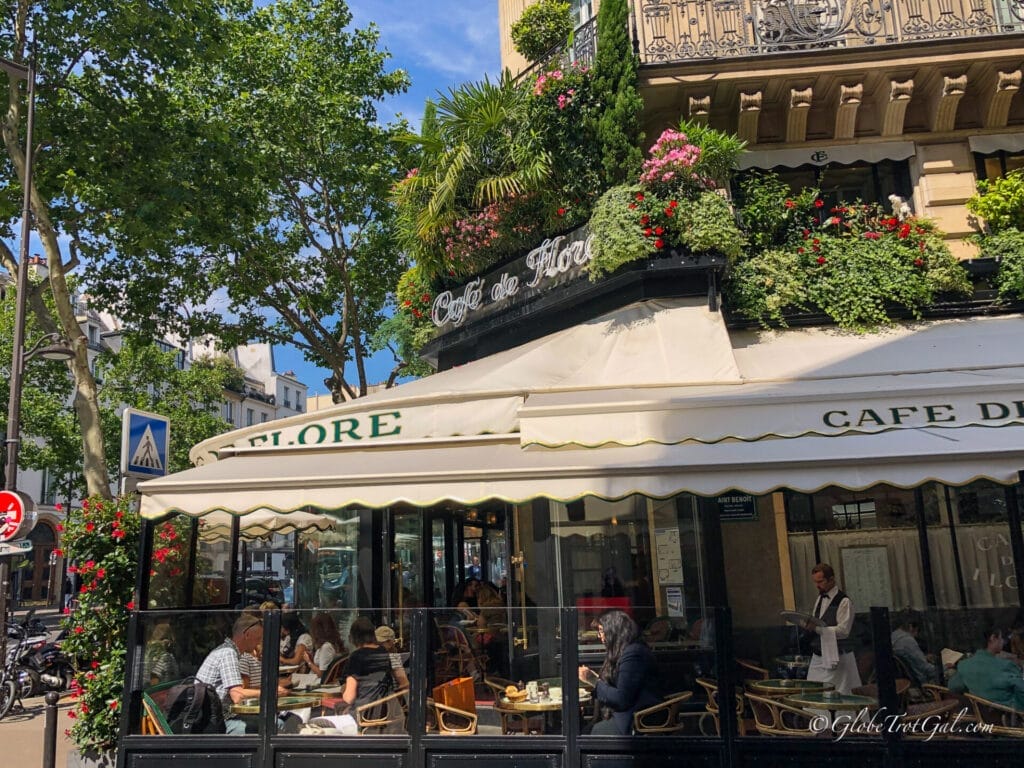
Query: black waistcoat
{"points": [[831, 619]]}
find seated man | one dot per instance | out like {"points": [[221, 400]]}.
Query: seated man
{"points": [[221, 668], [906, 649], [986, 675]]}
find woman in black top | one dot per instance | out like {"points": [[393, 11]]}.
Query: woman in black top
{"points": [[368, 675], [628, 680]]}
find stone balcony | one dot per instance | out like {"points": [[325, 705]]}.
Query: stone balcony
{"points": [[671, 31]]}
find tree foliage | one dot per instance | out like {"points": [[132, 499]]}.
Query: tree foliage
{"points": [[107, 160], [543, 26], [615, 68], [294, 240]]}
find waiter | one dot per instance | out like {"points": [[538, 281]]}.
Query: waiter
{"points": [[832, 660]]}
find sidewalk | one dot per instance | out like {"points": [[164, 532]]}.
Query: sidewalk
{"points": [[21, 732]]}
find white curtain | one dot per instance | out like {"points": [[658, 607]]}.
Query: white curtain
{"points": [[904, 554], [986, 560]]}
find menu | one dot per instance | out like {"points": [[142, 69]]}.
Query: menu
{"points": [[670, 559]]}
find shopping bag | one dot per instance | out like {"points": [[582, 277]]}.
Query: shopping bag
{"points": [[457, 693]]}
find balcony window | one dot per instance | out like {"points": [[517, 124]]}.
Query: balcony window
{"points": [[998, 164], [866, 182], [250, 417]]}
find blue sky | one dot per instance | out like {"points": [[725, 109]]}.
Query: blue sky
{"points": [[441, 44]]}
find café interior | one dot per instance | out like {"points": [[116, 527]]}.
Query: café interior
{"points": [[684, 568]]}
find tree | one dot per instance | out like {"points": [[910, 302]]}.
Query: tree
{"points": [[141, 375], [105, 164], [292, 230], [46, 390], [615, 68]]}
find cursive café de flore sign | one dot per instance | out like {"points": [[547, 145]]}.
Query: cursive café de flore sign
{"points": [[556, 261]]}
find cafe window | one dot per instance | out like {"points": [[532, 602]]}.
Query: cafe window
{"points": [[969, 540], [998, 164], [824, 524], [862, 181]]}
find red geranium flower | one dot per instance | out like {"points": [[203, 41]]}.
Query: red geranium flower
{"points": [[669, 212], [790, 204], [659, 230], [632, 206], [659, 243], [640, 196], [560, 211], [918, 262], [821, 259], [673, 204], [819, 203]]}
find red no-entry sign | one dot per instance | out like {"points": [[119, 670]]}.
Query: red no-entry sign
{"points": [[15, 514]]}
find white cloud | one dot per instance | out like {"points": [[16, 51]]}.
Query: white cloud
{"points": [[431, 38]]}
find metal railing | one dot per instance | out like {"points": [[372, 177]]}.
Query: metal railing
{"points": [[581, 49], [687, 30]]}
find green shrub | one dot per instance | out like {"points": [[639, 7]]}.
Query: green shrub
{"points": [[543, 25], [1000, 202], [102, 540], [708, 224], [854, 267], [1006, 247], [615, 87], [616, 228], [772, 215]]}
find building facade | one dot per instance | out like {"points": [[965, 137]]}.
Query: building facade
{"points": [[265, 395]]}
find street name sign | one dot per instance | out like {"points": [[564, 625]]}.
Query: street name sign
{"points": [[145, 438], [15, 547]]}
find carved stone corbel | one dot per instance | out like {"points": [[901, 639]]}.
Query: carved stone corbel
{"points": [[996, 97], [944, 102], [850, 98], [750, 115], [892, 107], [699, 110], [796, 114]]}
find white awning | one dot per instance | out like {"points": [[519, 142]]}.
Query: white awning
{"points": [[261, 523], [995, 142], [470, 471], [948, 400], [643, 345], [842, 154]]}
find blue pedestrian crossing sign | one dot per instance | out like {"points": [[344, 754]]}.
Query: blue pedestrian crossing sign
{"points": [[144, 441]]}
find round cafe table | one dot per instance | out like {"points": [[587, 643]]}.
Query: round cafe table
{"points": [[833, 703], [546, 706], [777, 687], [252, 706]]}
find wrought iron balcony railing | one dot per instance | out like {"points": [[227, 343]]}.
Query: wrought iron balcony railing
{"points": [[582, 49], [685, 30]]}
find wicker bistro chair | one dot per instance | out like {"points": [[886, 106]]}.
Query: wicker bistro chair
{"points": [[774, 718], [748, 670], [458, 657], [1005, 721], [665, 717], [711, 689], [930, 714], [332, 672], [385, 715], [450, 721]]}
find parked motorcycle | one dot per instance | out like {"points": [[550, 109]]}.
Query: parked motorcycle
{"points": [[45, 667]]}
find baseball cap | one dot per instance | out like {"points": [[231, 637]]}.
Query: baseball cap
{"points": [[384, 634]]}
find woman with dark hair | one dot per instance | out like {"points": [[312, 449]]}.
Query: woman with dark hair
{"points": [[327, 642], [296, 641], [628, 680], [368, 674]]}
